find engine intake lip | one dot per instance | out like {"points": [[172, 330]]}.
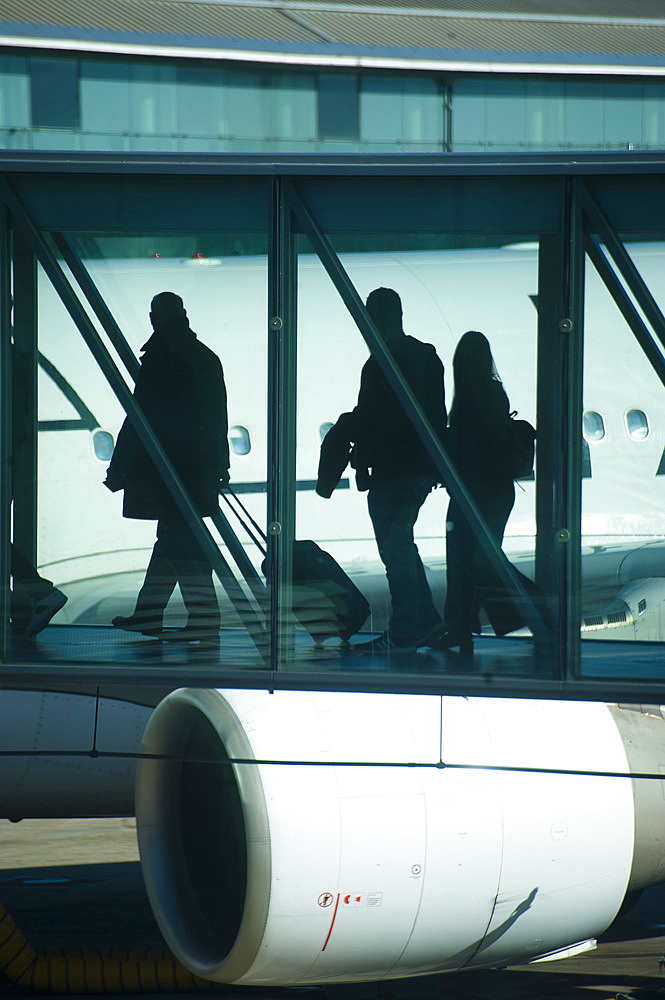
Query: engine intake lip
{"points": [[203, 834]]}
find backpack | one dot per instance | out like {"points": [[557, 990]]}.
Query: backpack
{"points": [[521, 447]]}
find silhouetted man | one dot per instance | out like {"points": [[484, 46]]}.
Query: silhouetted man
{"points": [[181, 391], [402, 473]]}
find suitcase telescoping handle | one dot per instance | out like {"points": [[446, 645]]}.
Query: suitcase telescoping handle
{"points": [[243, 516]]}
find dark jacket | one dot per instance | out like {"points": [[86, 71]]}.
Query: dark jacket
{"points": [[386, 441], [336, 452], [478, 435], [334, 455], [181, 391]]}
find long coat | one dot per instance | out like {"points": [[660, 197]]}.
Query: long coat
{"points": [[181, 391]]}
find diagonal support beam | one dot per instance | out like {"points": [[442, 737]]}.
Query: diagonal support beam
{"points": [[54, 272], [413, 410], [626, 306], [600, 224], [97, 303]]}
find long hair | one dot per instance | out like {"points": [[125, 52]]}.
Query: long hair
{"points": [[475, 377], [473, 364]]}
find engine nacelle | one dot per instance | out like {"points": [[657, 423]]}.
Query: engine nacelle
{"points": [[301, 838]]}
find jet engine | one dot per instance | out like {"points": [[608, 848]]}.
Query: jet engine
{"points": [[301, 838]]}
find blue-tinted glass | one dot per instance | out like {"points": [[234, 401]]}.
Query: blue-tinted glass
{"points": [[199, 144], [199, 101], [504, 112], [338, 112], [153, 143], [381, 109], [153, 98], [584, 115], [105, 96], [468, 113], [400, 111], [294, 146], [339, 146], [544, 114], [294, 104], [104, 141], [54, 93], [623, 115], [653, 111], [423, 115], [46, 138], [14, 92], [248, 97]]}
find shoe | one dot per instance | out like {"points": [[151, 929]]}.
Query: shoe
{"points": [[428, 634], [204, 634], [449, 638], [136, 623], [383, 644], [43, 610]]}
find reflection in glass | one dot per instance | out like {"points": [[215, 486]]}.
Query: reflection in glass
{"points": [[593, 426], [93, 554], [637, 424], [622, 503], [102, 442], [438, 291], [239, 439]]}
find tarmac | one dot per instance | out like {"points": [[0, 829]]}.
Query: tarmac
{"points": [[77, 884]]}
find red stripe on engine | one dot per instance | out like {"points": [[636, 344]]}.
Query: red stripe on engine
{"points": [[332, 923]]}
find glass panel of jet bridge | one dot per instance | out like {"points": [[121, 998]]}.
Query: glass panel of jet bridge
{"points": [[623, 465], [457, 314]]}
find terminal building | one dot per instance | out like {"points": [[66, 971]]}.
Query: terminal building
{"points": [[332, 77]]}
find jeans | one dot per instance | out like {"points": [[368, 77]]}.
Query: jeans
{"points": [[177, 559], [393, 506]]}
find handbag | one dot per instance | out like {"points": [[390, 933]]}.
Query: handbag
{"points": [[521, 447]]}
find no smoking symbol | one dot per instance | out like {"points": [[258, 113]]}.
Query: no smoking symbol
{"points": [[325, 899]]}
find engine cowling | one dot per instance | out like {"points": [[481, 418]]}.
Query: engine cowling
{"points": [[300, 838]]}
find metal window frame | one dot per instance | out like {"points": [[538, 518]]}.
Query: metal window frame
{"points": [[454, 483], [247, 613], [583, 227]]}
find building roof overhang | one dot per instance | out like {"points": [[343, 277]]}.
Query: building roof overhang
{"points": [[498, 36]]}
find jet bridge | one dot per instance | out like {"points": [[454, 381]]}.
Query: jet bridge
{"points": [[559, 261]]}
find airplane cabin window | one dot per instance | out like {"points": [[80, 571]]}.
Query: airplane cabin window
{"points": [[324, 428], [593, 426], [239, 439], [103, 444], [637, 425]]}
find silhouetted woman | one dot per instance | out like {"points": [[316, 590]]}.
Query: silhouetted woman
{"points": [[477, 443]]}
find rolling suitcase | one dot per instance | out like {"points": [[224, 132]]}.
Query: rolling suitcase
{"points": [[324, 599]]}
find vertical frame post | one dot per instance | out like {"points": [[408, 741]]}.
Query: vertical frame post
{"points": [[572, 332], [5, 428], [24, 409], [550, 419], [282, 404]]}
